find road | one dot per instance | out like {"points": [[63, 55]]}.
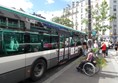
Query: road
{"points": [[69, 74]]}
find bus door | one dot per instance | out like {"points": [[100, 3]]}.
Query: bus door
{"points": [[76, 47], [71, 47], [54, 49], [66, 55], [63, 48]]}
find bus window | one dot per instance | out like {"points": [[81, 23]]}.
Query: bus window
{"points": [[76, 41], [54, 41], [62, 42], [9, 42], [0, 44], [79, 43], [72, 42], [22, 24], [12, 23], [27, 47], [67, 42], [46, 42], [35, 43], [2, 21], [13, 43], [41, 42], [34, 38]]}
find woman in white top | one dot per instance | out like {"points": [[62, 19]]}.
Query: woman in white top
{"points": [[96, 46]]}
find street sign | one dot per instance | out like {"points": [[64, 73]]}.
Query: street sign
{"points": [[94, 33]]}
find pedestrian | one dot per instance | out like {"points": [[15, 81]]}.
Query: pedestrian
{"points": [[116, 48], [103, 47], [96, 47], [117, 52], [99, 44], [107, 47], [85, 48], [90, 43], [95, 44]]}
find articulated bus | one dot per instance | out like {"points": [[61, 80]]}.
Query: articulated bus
{"points": [[29, 45]]}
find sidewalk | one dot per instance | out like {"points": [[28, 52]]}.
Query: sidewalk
{"points": [[69, 74], [115, 56]]}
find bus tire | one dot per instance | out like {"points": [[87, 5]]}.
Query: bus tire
{"points": [[38, 69]]}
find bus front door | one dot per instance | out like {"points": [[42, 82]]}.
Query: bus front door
{"points": [[63, 50]]}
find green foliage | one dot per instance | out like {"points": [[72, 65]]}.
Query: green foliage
{"points": [[95, 50], [102, 62], [63, 21], [99, 15]]}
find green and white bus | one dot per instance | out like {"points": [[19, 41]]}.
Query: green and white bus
{"points": [[29, 45]]}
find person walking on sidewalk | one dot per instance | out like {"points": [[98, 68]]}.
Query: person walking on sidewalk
{"points": [[103, 47], [116, 48], [96, 47], [107, 47]]}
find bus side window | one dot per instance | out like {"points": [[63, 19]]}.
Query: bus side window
{"points": [[40, 42], [9, 42], [12, 43], [79, 43], [67, 42], [35, 42], [54, 41], [27, 47], [1, 48], [46, 42], [72, 42], [62, 42]]}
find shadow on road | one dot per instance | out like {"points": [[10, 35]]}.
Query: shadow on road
{"points": [[108, 74]]}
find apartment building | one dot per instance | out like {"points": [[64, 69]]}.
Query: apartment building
{"points": [[114, 11], [76, 12]]}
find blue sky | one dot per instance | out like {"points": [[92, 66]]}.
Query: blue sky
{"points": [[48, 8]]}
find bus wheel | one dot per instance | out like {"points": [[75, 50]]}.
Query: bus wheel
{"points": [[38, 69]]}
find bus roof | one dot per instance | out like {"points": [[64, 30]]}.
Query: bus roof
{"points": [[44, 21]]}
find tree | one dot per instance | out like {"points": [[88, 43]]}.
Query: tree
{"points": [[63, 21], [99, 16]]}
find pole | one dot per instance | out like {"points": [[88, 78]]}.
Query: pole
{"points": [[89, 24], [89, 19]]}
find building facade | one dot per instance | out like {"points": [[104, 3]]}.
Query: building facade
{"points": [[114, 11], [76, 12]]}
